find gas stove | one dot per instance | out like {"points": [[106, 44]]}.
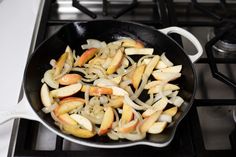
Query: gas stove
{"points": [[208, 129]]}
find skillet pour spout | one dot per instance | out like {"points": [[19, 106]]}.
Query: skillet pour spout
{"points": [[74, 35]]}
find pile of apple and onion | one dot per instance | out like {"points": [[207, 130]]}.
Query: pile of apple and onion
{"points": [[99, 92]]}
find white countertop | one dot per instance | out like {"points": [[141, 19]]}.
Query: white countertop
{"points": [[16, 29]]}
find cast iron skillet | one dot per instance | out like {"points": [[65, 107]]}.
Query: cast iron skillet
{"points": [[74, 35]]}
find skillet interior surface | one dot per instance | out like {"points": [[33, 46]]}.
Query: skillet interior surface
{"points": [[74, 35]]}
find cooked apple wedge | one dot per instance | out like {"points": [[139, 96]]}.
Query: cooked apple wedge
{"points": [[66, 91], [137, 75], [128, 42], [152, 84], [68, 104], [165, 76], [107, 121], [161, 65], [174, 69], [148, 122], [116, 61], [171, 87], [78, 132], [69, 79], [165, 118], [49, 79], [166, 60], [171, 111], [70, 58], [157, 127], [146, 61], [116, 102], [139, 51], [82, 121], [178, 101], [60, 64], [117, 91], [158, 106], [129, 127], [117, 79], [97, 91], [155, 89], [45, 95], [127, 114], [85, 57], [66, 119]]}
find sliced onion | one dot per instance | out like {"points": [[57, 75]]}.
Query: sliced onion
{"points": [[134, 136], [53, 62], [93, 43], [50, 108], [104, 99], [166, 60], [129, 102], [112, 135], [117, 119], [86, 94], [130, 60]]}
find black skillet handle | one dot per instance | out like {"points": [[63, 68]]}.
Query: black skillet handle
{"points": [[187, 35]]}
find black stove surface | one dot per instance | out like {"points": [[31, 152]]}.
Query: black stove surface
{"points": [[188, 141]]}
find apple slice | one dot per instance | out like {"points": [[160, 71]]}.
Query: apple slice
{"points": [[174, 69], [157, 127], [68, 104], [171, 87], [166, 60], [137, 75], [161, 65], [70, 58], [81, 120], [148, 122], [158, 106], [165, 118], [60, 64], [165, 76], [85, 57], [129, 127], [146, 61], [127, 114], [128, 42], [45, 96], [78, 132], [117, 79], [117, 102], [97, 91], [155, 89], [69, 79], [107, 121], [152, 84], [66, 91], [116, 61], [171, 111], [49, 79], [177, 101], [66, 119], [117, 91], [139, 51]]}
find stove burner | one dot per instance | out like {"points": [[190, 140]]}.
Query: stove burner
{"points": [[226, 46]]}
